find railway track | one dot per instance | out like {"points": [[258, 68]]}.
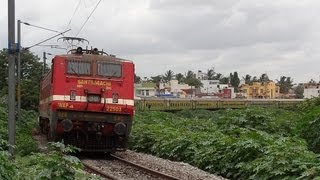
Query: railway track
{"points": [[92, 169], [118, 168]]}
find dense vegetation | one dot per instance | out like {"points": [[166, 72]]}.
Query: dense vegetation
{"points": [[255, 143], [31, 164], [31, 73]]}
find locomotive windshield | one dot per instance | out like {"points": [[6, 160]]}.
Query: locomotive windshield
{"points": [[78, 67], [109, 69]]}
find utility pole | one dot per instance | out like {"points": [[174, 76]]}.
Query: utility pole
{"points": [[19, 69], [11, 75], [44, 63]]}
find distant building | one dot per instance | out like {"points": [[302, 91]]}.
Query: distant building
{"points": [[214, 88], [174, 88], [311, 89], [145, 89], [200, 75], [258, 90]]}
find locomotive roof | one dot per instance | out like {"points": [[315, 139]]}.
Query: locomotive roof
{"points": [[94, 57]]}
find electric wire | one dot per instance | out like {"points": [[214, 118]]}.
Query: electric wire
{"points": [[43, 28], [88, 18], [60, 33], [89, 4], [51, 46], [74, 12], [28, 24]]}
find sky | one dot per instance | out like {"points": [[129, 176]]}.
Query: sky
{"points": [[280, 38]]}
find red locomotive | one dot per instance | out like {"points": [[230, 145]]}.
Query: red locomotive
{"points": [[87, 100]]}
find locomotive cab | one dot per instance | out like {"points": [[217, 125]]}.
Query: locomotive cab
{"points": [[89, 102]]}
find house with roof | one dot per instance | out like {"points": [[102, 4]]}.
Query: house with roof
{"points": [[261, 90], [311, 89], [145, 89]]}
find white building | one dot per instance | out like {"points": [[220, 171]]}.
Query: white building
{"points": [[201, 75], [211, 87], [311, 90], [174, 88], [145, 90]]}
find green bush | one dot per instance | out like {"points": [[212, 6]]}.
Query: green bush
{"points": [[29, 164], [7, 168], [238, 144], [308, 127], [53, 165]]}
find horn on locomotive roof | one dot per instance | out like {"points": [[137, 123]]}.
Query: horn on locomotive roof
{"points": [[79, 50]]}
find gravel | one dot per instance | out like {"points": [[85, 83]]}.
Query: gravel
{"points": [[120, 170], [177, 169]]}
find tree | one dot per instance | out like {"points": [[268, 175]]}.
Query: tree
{"points": [[264, 78], [210, 74], [3, 72], [168, 76], [194, 82], [191, 80], [180, 77], [218, 76], [156, 79], [190, 75], [247, 79], [224, 80], [31, 74], [235, 81], [285, 84], [137, 79], [299, 90]]}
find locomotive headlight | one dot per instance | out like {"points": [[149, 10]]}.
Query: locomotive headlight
{"points": [[115, 97], [67, 125], [120, 129], [94, 98]]}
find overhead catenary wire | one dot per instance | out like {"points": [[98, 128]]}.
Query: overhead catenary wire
{"points": [[51, 46], [60, 33], [90, 4], [43, 28], [88, 18], [74, 12], [40, 27]]}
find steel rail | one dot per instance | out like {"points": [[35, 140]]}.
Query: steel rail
{"points": [[99, 172], [157, 173]]}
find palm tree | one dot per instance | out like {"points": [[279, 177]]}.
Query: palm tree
{"points": [[285, 84], [254, 79], [190, 75], [168, 75], [264, 78], [180, 77], [247, 79], [210, 74]]}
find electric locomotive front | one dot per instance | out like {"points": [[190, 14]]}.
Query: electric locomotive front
{"points": [[92, 101]]}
